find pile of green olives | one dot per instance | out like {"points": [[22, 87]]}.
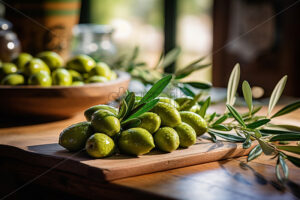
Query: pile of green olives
{"points": [[165, 127], [48, 68]]}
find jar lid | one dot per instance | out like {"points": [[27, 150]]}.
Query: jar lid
{"points": [[5, 25]]}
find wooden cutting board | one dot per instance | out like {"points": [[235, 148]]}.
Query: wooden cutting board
{"points": [[37, 145]]}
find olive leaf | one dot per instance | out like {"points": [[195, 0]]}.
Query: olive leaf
{"points": [[286, 137], [130, 100], [276, 132], [286, 126], [131, 123], [220, 120], [254, 153], [204, 107], [213, 137], [187, 91], [188, 70], [283, 166], [221, 127], [247, 143], [236, 115], [267, 149], [189, 104], [247, 95], [254, 111], [287, 109], [199, 85], [143, 109], [169, 58], [233, 85], [226, 136], [122, 110], [258, 123], [156, 89], [294, 160], [211, 117], [276, 94], [293, 149]]}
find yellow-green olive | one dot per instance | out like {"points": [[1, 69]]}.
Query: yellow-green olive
{"points": [[100, 145], [168, 114], [41, 78], [7, 68], [21, 60], [90, 111], [76, 76], [169, 101], [187, 135], [13, 79], [104, 121], [166, 139], [74, 137], [81, 63], [61, 77], [135, 141], [77, 83], [113, 75], [101, 69], [52, 59], [195, 121], [97, 79], [35, 65], [149, 121]]}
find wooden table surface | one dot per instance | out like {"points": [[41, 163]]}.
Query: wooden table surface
{"points": [[226, 179]]}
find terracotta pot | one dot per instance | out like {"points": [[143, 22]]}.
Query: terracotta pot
{"points": [[44, 24]]}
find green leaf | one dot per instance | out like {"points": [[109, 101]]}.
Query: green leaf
{"points": [[170, 57], [276, 132], [258, 123], [287, 109], [220, 119], [143, 109], [285, 137], [233, 85], [187, 91], [156, 89], [204, 107], [182, 73], [189, 104], [213, 137], [294, 160], [228, 137], [130, 100], [266, 148], [247, 143], [221, 127], [254, 153], [276, 94], [199, 85], [131, 123], [254, 110], [122, 110], [293, 149], [212, 116], [247, 95], [281, 164], [287, 126], [236, 115]]}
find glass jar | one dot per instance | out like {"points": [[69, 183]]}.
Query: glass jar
{"points": [[94, 40], [9, 43]]}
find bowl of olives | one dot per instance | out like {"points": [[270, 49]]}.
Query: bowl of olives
{"points": [[47, 87]]}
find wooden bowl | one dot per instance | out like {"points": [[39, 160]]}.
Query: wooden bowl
{"points": [[59, 102]]}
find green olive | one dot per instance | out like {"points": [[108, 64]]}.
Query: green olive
{"points": [[35, 65], [104, 121], [21, 60], [187, 135], [7, 68], [61, 77], [13, 79], [166, 139], [90, 111], [101, 69], [169, 101], [100, 145], [76, 76], [182, 100], [77, 83], [41, 78], [135, 141], [149, 121], [74, 137], [52, 59], [81, 63], [195, 121], [168, 114], [114, 75], [97, 79]]}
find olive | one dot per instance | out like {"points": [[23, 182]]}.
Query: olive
{"points": [[97, 79], [100, 145], [149, 121], [21, 60], [13, 79], [166, 139], [101, 69], [135, 141], [35, 65], [168, 114], [74, 137], [81, 63], [77, 83], [90, 111], [104, 121], [187, 135], [61, 77], [52, 59], [41, 78], [76, 76], [169, 101], [113, 75], [195, 121], [7, 68]]}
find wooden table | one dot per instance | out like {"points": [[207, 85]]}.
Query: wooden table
{"points": [[226, 179]]}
